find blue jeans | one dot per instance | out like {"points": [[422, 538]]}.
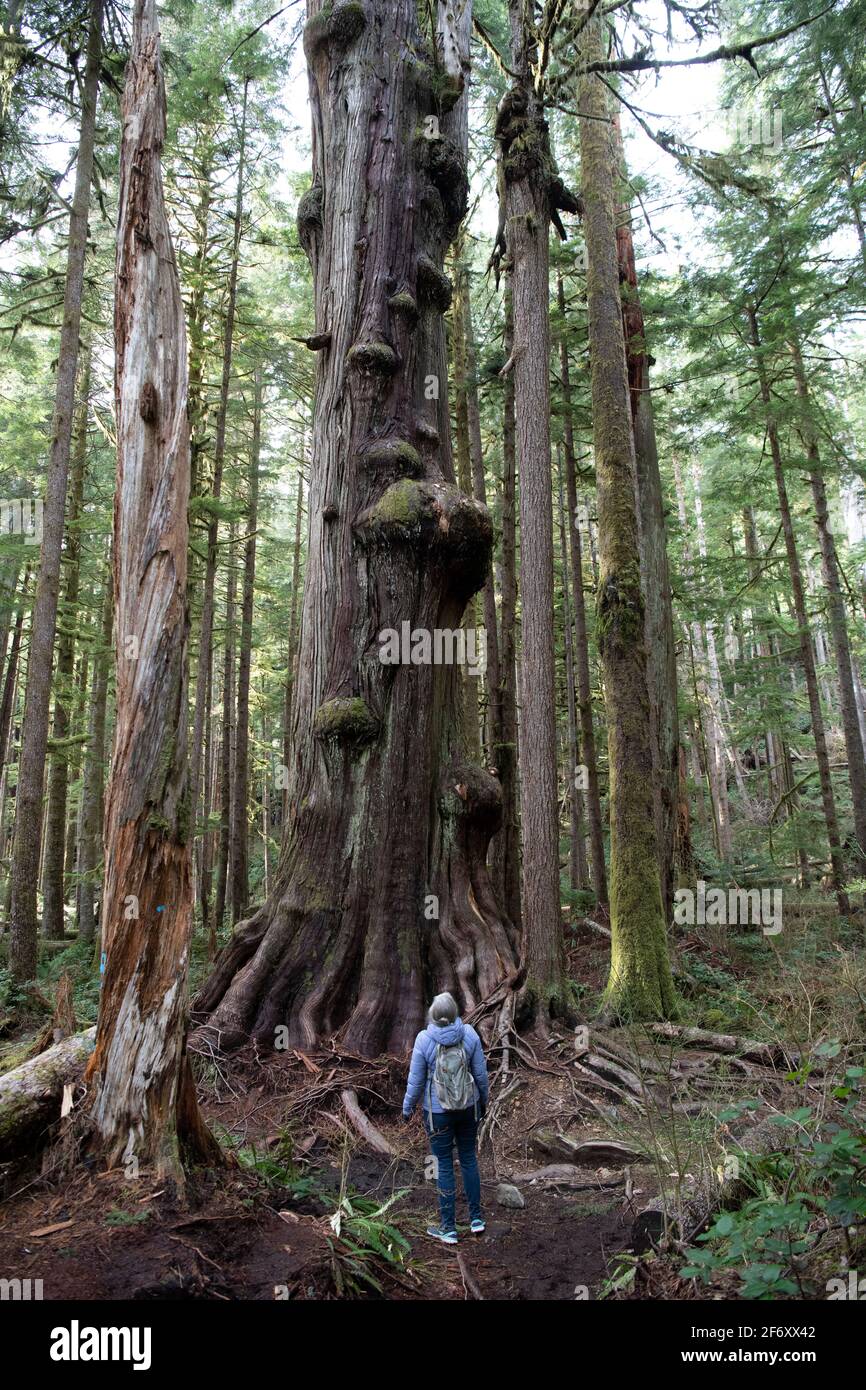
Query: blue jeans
{"points": [[450, 1127]]}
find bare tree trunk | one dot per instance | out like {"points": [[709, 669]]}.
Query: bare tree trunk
{"points": [[479, 490], [589, 756], [228, 741], [805, 637], [506, 845], [143, 1102], [94, 772], [640, 984], [835, 603], [205, 648], [292, 651], [34, 739], [577, 865], [53, 892], [241, 803], [526, 164], [469, 711]]}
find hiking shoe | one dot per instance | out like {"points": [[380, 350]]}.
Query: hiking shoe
{"points": [[446, 1237], [477, 1226]]}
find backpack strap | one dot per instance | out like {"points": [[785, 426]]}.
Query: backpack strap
{"points": [[430, 1085]]}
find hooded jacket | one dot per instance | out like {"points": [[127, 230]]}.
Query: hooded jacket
{"points": [[421, 1068]]}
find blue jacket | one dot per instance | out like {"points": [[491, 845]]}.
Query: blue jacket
{"points": [[420, 1084]]}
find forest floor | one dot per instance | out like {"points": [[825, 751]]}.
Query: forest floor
{"points": [[307, 1209]]}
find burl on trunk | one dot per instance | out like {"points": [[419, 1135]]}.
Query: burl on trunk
{"points": [[382, 889]]}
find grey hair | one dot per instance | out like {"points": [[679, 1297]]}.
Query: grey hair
{"points": [[443, 1010]]}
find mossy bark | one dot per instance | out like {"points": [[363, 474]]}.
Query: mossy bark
{"points": [[640, 985], [661, 649], [381, 893]]}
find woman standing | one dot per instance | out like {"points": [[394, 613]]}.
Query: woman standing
{"points": [[448, 1075]]}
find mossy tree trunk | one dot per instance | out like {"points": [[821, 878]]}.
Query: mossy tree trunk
{"points": [[386, 826], [142, 1096], [640, 984], [659, 620]]}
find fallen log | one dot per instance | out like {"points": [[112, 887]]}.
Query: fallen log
{"points": [[365, 1127], [585, 1153], [772, 1054], [30, 1095], [566, 1175]]}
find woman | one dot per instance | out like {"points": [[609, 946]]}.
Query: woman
{"points": [[448, 1075]]}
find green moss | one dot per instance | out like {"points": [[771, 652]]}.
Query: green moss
{"points": [[640, 986], [347, 720], [347, 24], [336, 26], [447, 89], [620, 609], [403, 303], [402, 504], [394, 456], [434, 287], [374, 359], [316, 30]]}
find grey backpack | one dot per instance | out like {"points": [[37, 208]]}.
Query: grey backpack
{"points": [[452, 1077]]}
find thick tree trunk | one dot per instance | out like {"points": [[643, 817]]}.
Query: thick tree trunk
{"points": [[385, 827], [240, 888], [640, 983], [479, 491], [805, 637], [292, 650], [143, 1102], [469, 708], [527, 173], [506, 846], [228, 741], [34, 739], [578, 875]]}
